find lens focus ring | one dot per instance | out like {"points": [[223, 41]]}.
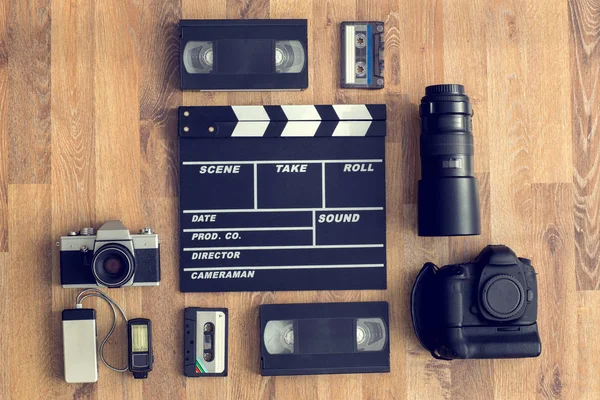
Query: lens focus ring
{"points": [[447, 88]]}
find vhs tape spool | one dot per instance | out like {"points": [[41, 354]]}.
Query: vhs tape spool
{"points": [[327, 338], [362, 52], [205, 342], [244, 54]]}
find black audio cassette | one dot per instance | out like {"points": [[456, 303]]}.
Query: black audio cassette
{"points": [[362, 52], [324, 338], [244, 54], [205, 342]]}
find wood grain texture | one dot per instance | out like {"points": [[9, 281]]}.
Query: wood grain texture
{"points": [[28, 45], [588, 319], [88, 98], [4, 150], [584, 18]]}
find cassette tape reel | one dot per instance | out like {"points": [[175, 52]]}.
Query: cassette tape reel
{"points": [[244, 54], [324, 338]]}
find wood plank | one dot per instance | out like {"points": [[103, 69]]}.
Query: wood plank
{"points": [[512, 174], [73, 165], [118, 161], [462, 23], [548, 91], [159, 97], [585, 66], [511, 169], [29, 91], [5, 321], [553, 258], [4, 146], [588, 349], [28, 284], [73, 116]]}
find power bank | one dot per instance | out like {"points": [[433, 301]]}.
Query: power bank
{"points": [[79, 345]]}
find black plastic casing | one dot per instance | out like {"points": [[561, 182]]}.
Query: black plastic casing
{"points": [[324, 363], [451, 321], [250, 38], [140, 373], [191, 331], [76, 270], [448, 203]]}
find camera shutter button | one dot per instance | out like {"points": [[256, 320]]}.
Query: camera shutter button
{"points": [[503, 296]]}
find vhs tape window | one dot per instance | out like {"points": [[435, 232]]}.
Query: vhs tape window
{"points": [[287, 56]]}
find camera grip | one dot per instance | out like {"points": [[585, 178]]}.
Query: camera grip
{"points": [[423, 308]]}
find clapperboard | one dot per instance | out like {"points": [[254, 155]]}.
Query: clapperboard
{"points": [[282, 197]]}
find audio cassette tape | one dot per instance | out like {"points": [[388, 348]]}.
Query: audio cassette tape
{"points": [[205, 342], [362, 55], [244, 54], [324, 338]]}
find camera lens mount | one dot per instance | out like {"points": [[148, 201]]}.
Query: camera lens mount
{"points": [[503, 296]]}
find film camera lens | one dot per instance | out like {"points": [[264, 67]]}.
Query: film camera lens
{"points": [[113, 265], [448, 192]]}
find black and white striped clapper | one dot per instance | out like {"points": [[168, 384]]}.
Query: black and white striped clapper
{"points": [[284, 121], [282, 198]]}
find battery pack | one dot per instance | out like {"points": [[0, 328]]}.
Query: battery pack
{"points": [[79, 345]]}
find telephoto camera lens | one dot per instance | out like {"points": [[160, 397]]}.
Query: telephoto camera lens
{"points": [[448, 191]]}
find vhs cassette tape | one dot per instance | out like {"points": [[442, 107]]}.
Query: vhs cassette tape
{"points": [[244, 54], [324, 338], [362, 55], [205, 342]]}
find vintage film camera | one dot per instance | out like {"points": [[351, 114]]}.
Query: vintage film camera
{"points": [[112, 258]]}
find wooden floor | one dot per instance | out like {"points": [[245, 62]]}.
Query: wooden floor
{"points": [[88, 92]]}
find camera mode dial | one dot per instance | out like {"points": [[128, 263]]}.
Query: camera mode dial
{"points": [[503, 296]]}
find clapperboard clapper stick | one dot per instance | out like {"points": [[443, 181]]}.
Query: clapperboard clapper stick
{"points": [[282, 197]]}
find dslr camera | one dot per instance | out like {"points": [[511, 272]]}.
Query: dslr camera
{"points": [[483, 309], [111, 258]]}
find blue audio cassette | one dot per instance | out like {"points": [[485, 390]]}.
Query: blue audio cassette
{"points": [[282, 197], [362, 52]]}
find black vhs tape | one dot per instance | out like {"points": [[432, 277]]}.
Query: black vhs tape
{"points": [[244, 54], [324, 338], [205, 342]]}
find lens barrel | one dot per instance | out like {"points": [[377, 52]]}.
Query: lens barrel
{"points": [[113, 265], [448, 191]]}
